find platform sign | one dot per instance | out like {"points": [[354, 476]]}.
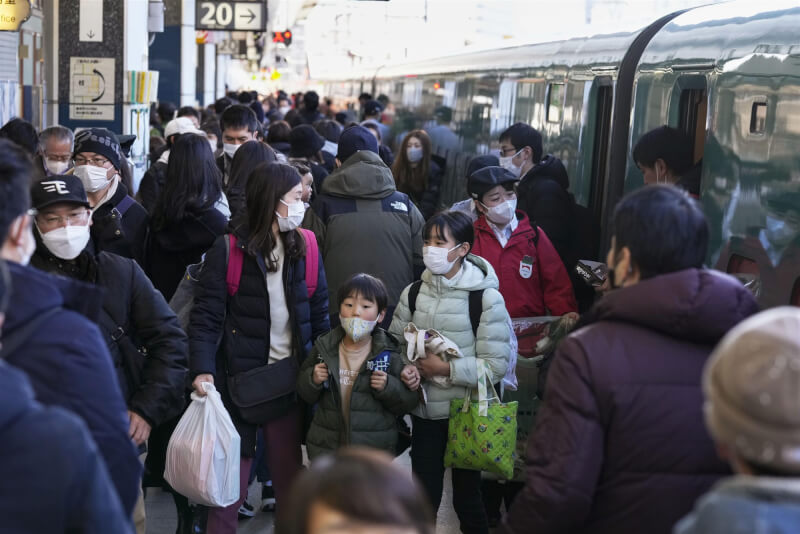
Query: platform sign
{"points": [[13, 13], [237, 16], [91, 88], [90, 21]]}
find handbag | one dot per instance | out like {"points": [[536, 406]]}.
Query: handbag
{"points": [[482, 435], [266, 392]]}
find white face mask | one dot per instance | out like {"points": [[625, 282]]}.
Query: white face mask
{"points": [[213, 145], [55, 166], [357, 328], [230, 149], [66, 242], [93, 178], [414, 154], [503, 213], [331, 147], [291, 222], [284, 109], [508, 164], [435, 259]]}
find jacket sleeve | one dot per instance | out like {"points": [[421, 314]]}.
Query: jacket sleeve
{"points": [[320, 320], [400, 319], [550, 207], [396, 397], [83, 381], [565, 451], [207, 317], [491, 344], [306, 388], [556, 284], [160, 393], [417, 223]]}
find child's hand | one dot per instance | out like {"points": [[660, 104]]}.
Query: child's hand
{"points": [[320, 374], [410, 377], [378, 380]]}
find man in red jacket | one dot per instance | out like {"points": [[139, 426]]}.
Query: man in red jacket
{"points": [[533, 280]]}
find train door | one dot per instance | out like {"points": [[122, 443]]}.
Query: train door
{"points": [[604, 100]]}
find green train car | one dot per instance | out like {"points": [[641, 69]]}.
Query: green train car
{"points": [[727, 74]]}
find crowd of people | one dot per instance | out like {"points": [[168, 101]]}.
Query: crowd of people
{"points": [[312, 251]]}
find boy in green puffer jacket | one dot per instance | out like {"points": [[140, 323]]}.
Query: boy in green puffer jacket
{"points": [[353, 375]]}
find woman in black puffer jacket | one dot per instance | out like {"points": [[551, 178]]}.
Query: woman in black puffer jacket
{"points": [[267, 321]]}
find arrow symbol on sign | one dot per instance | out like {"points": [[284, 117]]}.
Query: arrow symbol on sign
{"points": [[103, 79], [91, 34], [251, 15]]}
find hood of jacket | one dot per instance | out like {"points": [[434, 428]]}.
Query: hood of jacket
{"points": [[193, 232], [476, 273], [363, 175], [550, 167], [44, 292], [696, 305]]}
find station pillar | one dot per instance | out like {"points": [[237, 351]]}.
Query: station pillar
{"points": [[174, 54], [99, 42]]}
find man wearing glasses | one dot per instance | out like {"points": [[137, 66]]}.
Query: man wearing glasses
{"points": [[119, 223], [55, 150]]}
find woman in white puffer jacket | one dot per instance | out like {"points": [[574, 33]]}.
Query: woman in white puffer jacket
{"points": [[443, 304]]}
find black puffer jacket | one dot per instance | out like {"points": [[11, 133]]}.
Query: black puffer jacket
{"points": [[171, 249], [147, 346], [124, 235], [243, 320]]}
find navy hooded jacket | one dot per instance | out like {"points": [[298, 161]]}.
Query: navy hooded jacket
{"points": [[51, 477], [68, 365]]}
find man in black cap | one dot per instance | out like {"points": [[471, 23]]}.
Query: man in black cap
{"points": [[135, 320], [373, 110], [306, 145], [363, 224], [119, 222]]}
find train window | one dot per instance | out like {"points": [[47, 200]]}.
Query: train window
{"points": [[605, 100], [692, 119], [758, 118], [555, 102]]}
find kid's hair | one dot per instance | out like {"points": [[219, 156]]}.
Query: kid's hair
{"points": [[366, 286], [459, 224], [362, 484]]}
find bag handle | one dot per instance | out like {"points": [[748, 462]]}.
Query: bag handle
{"points": [[484, 386]]}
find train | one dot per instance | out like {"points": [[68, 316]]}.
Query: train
{"points": [[727, 74]]}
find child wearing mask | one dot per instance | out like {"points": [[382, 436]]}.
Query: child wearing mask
{"points": [[533, 280], [353, 375], [751, 385], [442, 301]]}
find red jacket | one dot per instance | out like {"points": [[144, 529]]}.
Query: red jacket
{"points": [[533, 280]]}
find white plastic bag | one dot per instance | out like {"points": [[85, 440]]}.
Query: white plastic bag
{"points": [[203, 454]]}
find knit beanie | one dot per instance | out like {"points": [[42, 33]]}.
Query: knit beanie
{"points": [[100, 141], [752, 388], [354, 139]]}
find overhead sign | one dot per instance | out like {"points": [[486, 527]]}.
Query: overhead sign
{"points": [[228, 47], [91, 88], [90, 21], [241, 16], [13, 13]]}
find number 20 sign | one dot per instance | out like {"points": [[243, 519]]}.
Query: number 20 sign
{"points": [[236, 16]]}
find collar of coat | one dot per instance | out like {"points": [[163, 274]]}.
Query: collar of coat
{"points": [[328, 346]]}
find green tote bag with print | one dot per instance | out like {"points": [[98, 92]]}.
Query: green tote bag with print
{"points": [[482, 435]]}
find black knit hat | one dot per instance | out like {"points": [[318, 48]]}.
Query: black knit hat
{"points": [[354, 139], [488, 178], [100, 141], [305, 141]]}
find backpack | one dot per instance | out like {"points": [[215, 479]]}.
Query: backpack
{"points": [[182, 300]]}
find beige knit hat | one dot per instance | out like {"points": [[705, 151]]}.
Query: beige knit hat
{"points": [[752, 388]]}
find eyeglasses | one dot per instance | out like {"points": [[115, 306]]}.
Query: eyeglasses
{"points": [[62, 158], [504, 151], [97, 162], [56, 221]]}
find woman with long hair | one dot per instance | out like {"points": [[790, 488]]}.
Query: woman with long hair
{"points": [[257, 332], [249, 156], [185, 221], [416, 174]]}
